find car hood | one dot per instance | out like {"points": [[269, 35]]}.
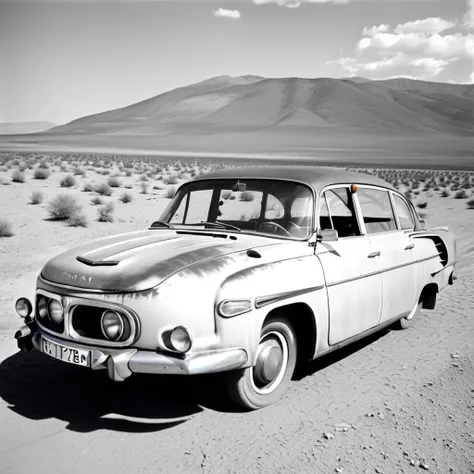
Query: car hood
{"points": [[138, 261]]}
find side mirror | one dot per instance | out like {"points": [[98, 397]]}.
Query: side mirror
{"points": [[327, 235], [423, 224]]}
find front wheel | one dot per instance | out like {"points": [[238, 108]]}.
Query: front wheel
{"points": [[408, 321], [267, 381]]}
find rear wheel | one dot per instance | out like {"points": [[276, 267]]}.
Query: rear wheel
{"points": [[408, 321], [267, 381]]}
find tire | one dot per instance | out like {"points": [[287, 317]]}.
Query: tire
{"points": [[408, 321], [263, 384]]}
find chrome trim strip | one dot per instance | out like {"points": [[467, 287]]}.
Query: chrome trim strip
{"points": [[75, 288], [396, 267], [261, 301]]}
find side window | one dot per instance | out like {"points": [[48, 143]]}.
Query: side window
{"points": [[274, 208], [337, 212], [403, 212], [377, 210], [198, 207]]}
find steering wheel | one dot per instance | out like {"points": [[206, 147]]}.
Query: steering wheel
{"points": [[278, 226]]}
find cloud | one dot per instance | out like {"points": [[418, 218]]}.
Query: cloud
{"points": [[469, 16], [428, 26], [419, 49], [297, 3], [223, 13]]}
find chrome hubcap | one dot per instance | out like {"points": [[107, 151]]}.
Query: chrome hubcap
{"points": [[271, 362]]}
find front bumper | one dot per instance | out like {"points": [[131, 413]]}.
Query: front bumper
{"points": [[121, 363]]}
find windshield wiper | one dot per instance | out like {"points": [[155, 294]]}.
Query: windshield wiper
{"points": [[158, 224], [222, 225]]}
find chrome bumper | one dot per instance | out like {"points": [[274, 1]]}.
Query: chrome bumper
{"points": [[121, 363]]}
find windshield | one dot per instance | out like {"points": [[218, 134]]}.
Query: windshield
{"points": [[263, 206]]}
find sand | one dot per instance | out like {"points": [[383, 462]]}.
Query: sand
{"points": [[405, 398]]}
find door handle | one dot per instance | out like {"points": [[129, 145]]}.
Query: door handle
{"points": [[374, 254], [409, 246]]}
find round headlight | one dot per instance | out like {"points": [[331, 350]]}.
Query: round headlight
{"points": [[112, 325], [23, 307], [56, 311], [42, 308], [180, 339]]}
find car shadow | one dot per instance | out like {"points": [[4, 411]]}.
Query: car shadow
{"points": [[37, 387], [327, 360]]}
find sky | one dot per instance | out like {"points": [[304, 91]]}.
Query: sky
{"points": [[64, 59]]}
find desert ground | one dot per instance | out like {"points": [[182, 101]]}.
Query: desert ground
{"points": [[397, 402]]}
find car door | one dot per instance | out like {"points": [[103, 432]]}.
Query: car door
{"points": [[393, 247], [353, 287]]}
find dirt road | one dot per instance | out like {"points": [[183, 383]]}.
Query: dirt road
{"points": [[405, 398]]}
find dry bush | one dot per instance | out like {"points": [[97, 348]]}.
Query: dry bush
{"points": [[128, 186], [63, 207], [68, 181], [470, 204], [103, 189], [105, 213], [3, 168], [422, 205], [128, 173], [79, 171], [226, 195], [445, 193], [173, 179], [78, 220], [144, 187], [41, 173], [114, 182], [64, 168], [18, 176], [169, 192], [36, 197], [126, 197], [461, 194], [87, 187], [247, 196], [97, 201], [5, 228], [143, 177]]}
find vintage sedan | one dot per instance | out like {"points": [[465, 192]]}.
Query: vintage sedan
{"points": [[249, 272]]}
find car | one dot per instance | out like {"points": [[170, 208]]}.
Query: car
{"points": [[250, 273]]}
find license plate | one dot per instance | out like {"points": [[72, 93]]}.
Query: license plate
{"points": [[66, 354]]}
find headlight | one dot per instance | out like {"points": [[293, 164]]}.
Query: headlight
{"points": [[231, 308], [42, 308], [56, 311], [180, 339], [112, 325], [23, 307]]}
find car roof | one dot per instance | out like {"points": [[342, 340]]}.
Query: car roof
{"points": [[316, 177]]}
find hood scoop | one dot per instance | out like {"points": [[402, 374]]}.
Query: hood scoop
{"points": [[97, 263]]}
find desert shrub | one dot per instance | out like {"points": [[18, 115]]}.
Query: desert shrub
{"points": [[128, 186], [18, 176], [144, 187], [23, 166], [105, 172], [247, 196], [36, 197], [226, 195], [68, 181], [169, 192], [461, 194], [114, 182], [103, 189], [470, 203], [105, 213], [44, 165], [5, 228], [445, 193], [97, 201], [422, 205], [173, 179], [79, 171], [128, 173], [143, 177], [63, 168], [63, 207], [41, 173], [87, 187], [15, 162], [3, 168], [232, 197], [78, 220], [126, 197]]}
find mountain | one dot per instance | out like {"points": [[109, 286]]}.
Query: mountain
{"points": [[354, 116], [13, 128], [251, 102]]}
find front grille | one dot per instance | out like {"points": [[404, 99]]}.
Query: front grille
{"points": [[46, 321], [86, 322]]}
